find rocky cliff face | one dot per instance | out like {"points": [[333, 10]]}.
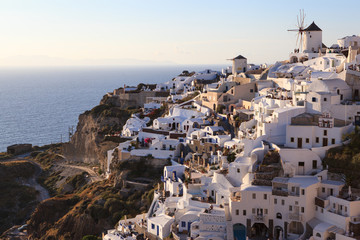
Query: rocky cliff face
{"points": [[89, 144]]}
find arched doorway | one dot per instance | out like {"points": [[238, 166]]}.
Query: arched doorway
{"points": [[296, 228], [259, 231], [239, 231], [278, 232]]}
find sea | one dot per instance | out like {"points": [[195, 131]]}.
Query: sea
{"points": [[40, 105]]}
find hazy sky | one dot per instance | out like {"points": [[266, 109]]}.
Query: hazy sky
{"points": [[72, 32]]}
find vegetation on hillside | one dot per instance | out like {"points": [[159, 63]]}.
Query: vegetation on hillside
{"points": [[85, 212], [16, 200], [346, 160]]}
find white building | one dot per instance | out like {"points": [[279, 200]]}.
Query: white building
{"points": [[160, 225]]}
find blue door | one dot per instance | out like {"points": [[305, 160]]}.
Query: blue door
{"points": [[189, 225], [239, 232], [157, 230]]}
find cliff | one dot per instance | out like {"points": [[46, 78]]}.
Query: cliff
{"points": [[88, 144]]}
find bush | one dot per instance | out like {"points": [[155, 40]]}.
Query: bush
{"points": [[90, 237], [231, 157]]}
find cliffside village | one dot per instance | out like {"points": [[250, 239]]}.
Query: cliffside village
{"points": [[246, 146]]}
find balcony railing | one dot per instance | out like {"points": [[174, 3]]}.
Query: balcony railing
{"points": [[258, 218], [320, 202], [295, 217], [278, 192], [236, 198]]}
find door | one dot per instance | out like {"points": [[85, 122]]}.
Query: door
{"points": [[239, 231], [157, 230], [325, 142], [357, 120], [299, 143]]}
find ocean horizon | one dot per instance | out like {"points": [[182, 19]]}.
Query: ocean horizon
{"points": [[38, 105]]}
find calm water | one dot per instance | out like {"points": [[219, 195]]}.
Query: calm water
{"points": [[39, 105]]}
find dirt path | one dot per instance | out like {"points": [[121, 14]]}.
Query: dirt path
{"points": [[92, 174]]}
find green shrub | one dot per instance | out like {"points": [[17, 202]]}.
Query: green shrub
{"points": [[90, 237]]}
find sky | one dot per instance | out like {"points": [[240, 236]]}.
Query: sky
{"points": [[115, 32]]}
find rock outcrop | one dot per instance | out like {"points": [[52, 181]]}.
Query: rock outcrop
{"points": [[89, 144]]}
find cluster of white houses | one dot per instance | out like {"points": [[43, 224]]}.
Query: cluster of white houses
{"points": [[247, 149]]}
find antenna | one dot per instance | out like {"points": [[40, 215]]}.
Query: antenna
{"points": [[300, 29]]}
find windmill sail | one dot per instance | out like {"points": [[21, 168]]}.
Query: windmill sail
{"points": [[300, 29]]}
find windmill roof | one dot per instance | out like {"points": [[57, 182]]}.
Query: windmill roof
{"points": [[239, 57], [312, 27]]}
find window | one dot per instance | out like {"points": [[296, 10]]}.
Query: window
{"points": [[345, 209], [251, 90], [265, 211], [183, 224], [210, 148], [244, 212], [302, 209], [307, 140], [254, 195], [152, 226], [333, 141], [282, 202], [317, 140], [275, 200], [292, 139], [322, 210], [314, 164], [238, 170], [237, 212], [290, 208], [265, 196], [323, 189], [325, 132], [296, 202], [301, 164], [316, 208], [313, 99], [293, 189], [325, 99], [278, 216], [302, 191], [253, 211]]}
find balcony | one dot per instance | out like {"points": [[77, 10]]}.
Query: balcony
{"points": [[258, 218], [280, 192], [321, 202], [295, 217], [236, 198]]}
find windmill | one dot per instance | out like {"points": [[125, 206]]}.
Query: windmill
{"points": [[300, 29]]}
